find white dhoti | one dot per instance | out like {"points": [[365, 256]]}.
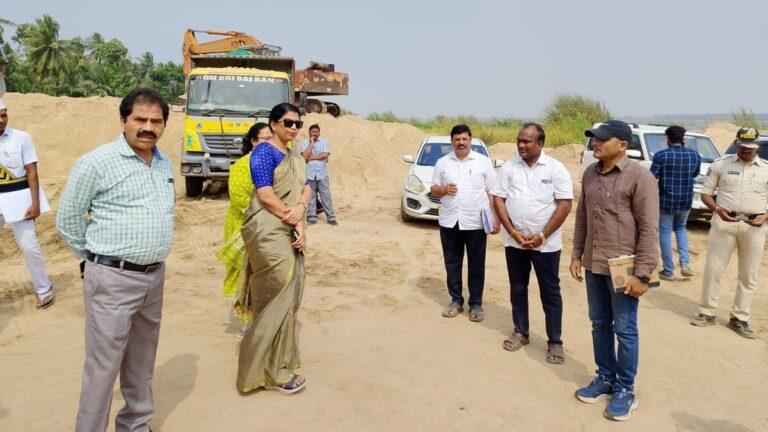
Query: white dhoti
{"points": [[24, 233]]}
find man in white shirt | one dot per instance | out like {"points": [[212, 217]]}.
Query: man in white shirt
{"points": [[18, 172], [462, 180], [533, 195]]}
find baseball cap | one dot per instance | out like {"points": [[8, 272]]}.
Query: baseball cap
{"points": [[610, 129], [747, 137]]}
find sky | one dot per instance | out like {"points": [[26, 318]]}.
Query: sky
{"points": [[492, 58]]}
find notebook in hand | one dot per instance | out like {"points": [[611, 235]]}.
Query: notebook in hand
{"points": [[489, 219], [622, 268]]}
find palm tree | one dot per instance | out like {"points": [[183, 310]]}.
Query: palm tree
{"points": [[4, 22], [145, 65], [45, 51]]}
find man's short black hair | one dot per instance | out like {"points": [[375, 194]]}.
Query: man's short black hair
{"points": [[460, 129], [315, 126], [143, 95], [539, 129], [676, 134]]}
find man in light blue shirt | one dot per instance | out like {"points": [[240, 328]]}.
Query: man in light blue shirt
{"points": [[316, 151], [126, 189]]}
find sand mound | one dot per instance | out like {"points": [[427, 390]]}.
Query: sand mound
{"points": [[722, 133]]}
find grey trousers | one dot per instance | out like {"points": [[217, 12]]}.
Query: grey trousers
{"points": [[122, 324], [323, 187]]}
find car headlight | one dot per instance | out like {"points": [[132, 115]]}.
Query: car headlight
{"points": [[414, 184], [700, 179]]}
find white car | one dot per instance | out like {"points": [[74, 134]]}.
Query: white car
{"points": [[649, 139], [417, 202]]}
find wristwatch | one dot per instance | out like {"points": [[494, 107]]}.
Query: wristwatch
{"points": [[644, 279]]}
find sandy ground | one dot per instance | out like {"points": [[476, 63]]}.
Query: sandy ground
{"points": [[375, 349]]}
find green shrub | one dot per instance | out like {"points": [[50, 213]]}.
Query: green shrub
{"points": [[744, 117]]}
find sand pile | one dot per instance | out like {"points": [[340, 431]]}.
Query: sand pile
{"points": [[722, 133]]}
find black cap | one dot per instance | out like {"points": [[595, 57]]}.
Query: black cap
{"points": [[610, 129], [747, 137]]}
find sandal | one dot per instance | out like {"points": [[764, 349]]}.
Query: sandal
{"points": [[291, 387], [476, 314], [516, 341], [45, 300], [452, 310], [555, 354]]}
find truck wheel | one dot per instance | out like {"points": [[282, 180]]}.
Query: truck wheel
{"points": [[194, 186], [333, 109], [315, 106]]}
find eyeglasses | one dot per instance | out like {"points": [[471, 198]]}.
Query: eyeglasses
{"points": [[289, 123]]}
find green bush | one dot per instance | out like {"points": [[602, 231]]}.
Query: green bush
{"points": [[744, 117]]}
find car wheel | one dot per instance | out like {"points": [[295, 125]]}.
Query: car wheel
{"points": [[405, 217]]}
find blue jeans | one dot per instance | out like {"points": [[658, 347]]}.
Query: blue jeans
{"points": [[612, 314], [669, 222]]}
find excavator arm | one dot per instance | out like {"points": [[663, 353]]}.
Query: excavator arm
{"points": [[233, 40]]}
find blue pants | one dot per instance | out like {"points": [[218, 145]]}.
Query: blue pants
{"points": [[613, 316], [669, 222]]}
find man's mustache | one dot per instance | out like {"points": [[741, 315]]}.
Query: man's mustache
{"points": [[146, 134]]}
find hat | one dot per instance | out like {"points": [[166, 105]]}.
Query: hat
{"points": [[747, 137], [2, 105], [610, 129]]}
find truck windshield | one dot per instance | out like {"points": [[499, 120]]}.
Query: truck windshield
{"points": [[706, 148], [430, 153], [235, 95]]}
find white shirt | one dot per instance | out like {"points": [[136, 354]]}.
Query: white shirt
{"points": [[16, 150], [473, 177], [530, 194]]}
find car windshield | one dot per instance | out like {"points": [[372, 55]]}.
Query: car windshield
{"points": [[762, 151], [430, 153], [235, 95], [706, 148]]}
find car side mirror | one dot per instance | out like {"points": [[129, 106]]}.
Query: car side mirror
{"points": [[635, 154], [499, 163], [408, 158]]}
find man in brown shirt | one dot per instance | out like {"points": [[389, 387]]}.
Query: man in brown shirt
{"points": [[618, 214]]}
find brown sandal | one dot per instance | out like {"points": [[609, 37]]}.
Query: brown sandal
{"points": [[453, 310], [555, 354], [476, 314], [516, 341]]}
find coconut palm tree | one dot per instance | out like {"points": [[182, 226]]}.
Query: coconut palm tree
{"points": [[4, 22], [45, 51]]}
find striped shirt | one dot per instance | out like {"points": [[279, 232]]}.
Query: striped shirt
{"points": [[676, 168], [129, 205]]}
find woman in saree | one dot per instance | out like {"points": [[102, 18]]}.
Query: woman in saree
{"points": [[273, 232], [240, 191]]}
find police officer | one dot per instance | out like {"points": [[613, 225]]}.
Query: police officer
{"points": [[741, 183]]}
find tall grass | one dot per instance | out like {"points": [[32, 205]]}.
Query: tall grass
{"points": [[744, 117], [565, 120]]}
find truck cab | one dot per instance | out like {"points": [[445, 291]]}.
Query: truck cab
{"points": [[222, 104]]}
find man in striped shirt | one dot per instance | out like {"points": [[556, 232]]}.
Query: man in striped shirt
{"points": [[126, 188], [675, 168]]}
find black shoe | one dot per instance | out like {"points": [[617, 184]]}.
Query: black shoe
{"points": [[742, 328], [333, 222], [311, 222]]}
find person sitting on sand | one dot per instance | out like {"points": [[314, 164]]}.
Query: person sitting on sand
{"points": [[273, 232], [462, 179]]}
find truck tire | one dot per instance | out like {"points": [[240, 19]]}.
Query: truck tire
{"points": [[315, 106], [332, 109], [194, 186]]}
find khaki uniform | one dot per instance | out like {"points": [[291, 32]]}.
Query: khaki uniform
{"points": [[743, 188]]}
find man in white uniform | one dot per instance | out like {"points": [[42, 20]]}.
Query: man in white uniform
{"points": [[18, 172], [462, 179]]}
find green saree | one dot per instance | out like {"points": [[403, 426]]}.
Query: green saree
{"points": [[274, 283]]}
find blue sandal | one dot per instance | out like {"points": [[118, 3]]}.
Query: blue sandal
{"points": [[291, 387]]}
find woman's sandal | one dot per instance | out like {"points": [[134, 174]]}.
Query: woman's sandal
{"points": [[291, 387], [516, 341], [555, 354]]}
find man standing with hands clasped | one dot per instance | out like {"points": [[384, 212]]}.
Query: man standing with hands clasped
{"points": [[741, 183], [618, 214], [533, 195], [316, 152], [462, 179], [126, 188]]}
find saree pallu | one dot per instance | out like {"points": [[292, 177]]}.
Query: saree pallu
{"points": [[274, 283], [233, 251]]}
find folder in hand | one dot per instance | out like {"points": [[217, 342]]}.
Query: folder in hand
{"points": [[489, 219], [622, 268]]}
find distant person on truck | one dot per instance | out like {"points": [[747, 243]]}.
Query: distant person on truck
{"points": [[274, 236], [20, 185], [316, 152], [240, 192], [736, 189], [675, 168], [462, 179]]}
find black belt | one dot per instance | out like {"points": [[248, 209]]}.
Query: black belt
{"points": [[15, 186], [122, 264]]}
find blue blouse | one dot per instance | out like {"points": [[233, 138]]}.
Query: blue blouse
{"points": [[264, 159]]}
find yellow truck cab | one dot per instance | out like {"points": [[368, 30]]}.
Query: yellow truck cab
{"points": [[222, 104]]}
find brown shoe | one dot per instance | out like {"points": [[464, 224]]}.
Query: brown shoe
{"points": [[452, 310], [687, 272]]}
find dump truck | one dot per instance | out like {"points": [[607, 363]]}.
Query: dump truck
{"points": [[231, 83]]}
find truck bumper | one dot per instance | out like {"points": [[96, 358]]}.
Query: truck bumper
{"points": [[206, 165]]}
